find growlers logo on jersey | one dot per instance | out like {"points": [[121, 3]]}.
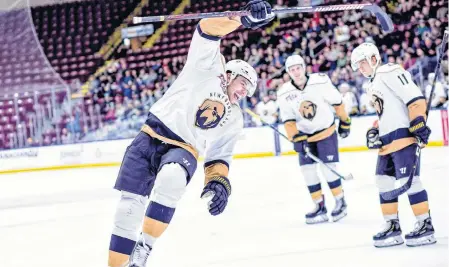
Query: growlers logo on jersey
{"points": [[378, 105], [214, 111], [307, 110]]}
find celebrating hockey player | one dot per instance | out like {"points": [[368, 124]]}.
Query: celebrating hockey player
{"points": [[306, 107], [198, 113], [401, 109]]}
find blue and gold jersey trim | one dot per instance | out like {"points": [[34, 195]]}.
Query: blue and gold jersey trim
{"points": [[396, 141], [157, 129]]}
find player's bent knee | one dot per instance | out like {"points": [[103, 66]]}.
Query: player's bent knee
{"points": [[310, 174], [170, 184], [416, 186], [329, 175], [385, 183], [129, 215]]}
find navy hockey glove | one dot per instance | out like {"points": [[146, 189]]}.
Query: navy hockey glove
{"points": [[260, 14], [419, 129], [218, 189], [300, 142], [373, 138], [344, 128]]}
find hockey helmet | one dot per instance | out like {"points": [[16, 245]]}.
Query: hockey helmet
{"points": [[294, 60], [365, 51], [242, 68]]}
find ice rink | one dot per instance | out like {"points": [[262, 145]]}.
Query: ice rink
{"points": [[64, 218]]}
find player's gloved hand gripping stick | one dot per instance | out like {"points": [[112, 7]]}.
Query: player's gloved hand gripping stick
{"points": [[306, 149]]}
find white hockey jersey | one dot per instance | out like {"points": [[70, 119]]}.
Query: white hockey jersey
{"points": [[366, 106], [196, 107], [350, 101], [397, 100], [310, 110], [267, 111]]}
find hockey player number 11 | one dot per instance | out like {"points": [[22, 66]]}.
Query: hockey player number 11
{"points": [[403, 80]]}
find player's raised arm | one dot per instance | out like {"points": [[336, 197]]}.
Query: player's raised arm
{"points": [[205, 45]]}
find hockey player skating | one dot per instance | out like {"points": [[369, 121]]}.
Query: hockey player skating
{"points": [[198, 113], [306, 107], [401, 108]]}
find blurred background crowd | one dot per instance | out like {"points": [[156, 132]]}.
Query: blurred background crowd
{"points": [[117, 96], [324, 40]]}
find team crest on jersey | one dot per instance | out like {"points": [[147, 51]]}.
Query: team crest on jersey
{"points": [[378, 105], [213, 111], [307, 110]]}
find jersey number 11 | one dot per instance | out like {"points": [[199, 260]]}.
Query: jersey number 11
{"points": [[403, 80]]}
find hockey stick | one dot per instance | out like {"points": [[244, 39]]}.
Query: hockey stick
{"points": [[402, 189], [310, 155], [384, 19]]}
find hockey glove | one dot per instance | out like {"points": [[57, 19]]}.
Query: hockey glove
{"points": [[419, 129], [300, 142], [260, 14], [218, 189], [373, 138], [344, 128]]}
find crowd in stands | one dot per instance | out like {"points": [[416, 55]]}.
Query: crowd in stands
{"points": [[324, 40], [119, 97]]}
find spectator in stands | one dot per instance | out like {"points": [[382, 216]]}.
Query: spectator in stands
{"points": [[341, 32]]}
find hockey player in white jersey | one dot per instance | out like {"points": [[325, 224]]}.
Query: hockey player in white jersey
{"points": [[401, 109], [307, 105], [198, 113], [267, 110]]}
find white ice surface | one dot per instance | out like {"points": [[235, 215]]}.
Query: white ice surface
{"points": [[64, 218]]}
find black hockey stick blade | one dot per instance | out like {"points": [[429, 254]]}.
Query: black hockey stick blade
{"points": [[385, 21]]}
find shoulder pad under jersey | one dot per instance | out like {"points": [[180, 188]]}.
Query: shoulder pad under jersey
{"points": [[318, 78], [286, 87], [386, 68]]}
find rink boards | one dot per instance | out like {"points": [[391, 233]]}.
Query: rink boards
{"points": [[256, 142]]}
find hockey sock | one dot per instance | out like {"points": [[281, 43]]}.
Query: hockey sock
{"points": [[119, 250], [157, 218], [336, 189], [389, 208], [127, 221], [332, 180], [310, 174], [420, 205], [315, 192]]}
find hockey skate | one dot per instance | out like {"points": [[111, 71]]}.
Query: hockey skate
{"points": [[389, 236], [140, 254], [422, 235], [318, 215], [340, 210]]}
